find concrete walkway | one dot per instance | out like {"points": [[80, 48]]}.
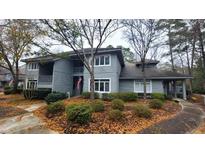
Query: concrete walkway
{"points": [[26, 123], [187, 120]]}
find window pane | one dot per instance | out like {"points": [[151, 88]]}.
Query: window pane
{"points": [[106, 86], [107, 60], [102, 60], [101, 86], [97, 61], [96, 86]]}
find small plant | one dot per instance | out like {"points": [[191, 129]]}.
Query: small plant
{"points": [[86, 95], [107, 97], [117, 104], [98, 106], [115, 115], [8, 90], [56, 107], [156, 104], [79, 113], [160, 96], [55, 96], [142, 111], [125, 96]]}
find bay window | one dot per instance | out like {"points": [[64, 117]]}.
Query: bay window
{"points": [[139, 86], [33, 66], [102, 85], [102, 60]]}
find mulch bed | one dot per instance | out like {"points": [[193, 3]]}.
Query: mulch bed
{"points": [[101, 124], [9, 111]]}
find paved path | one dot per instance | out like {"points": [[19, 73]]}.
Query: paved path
{"points": [[26, 123], [187, 120]]}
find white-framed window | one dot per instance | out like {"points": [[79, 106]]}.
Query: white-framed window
{"points": [[139, 86], [101, 85], [102, 60], [33, 66], [31, 84]]}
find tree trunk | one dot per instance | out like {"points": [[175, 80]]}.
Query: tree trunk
{"points": [[170, 49], [92, 80], [16, 78], [144, 79]]}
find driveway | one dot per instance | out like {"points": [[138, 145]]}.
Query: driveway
{"points": [[23, 123], [186, 121]]}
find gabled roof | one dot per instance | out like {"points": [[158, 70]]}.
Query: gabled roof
{"points": [[87, 51], [130, 71]]}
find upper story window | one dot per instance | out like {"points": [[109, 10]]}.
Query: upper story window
{"points": [[33, 66], [103, 60]]}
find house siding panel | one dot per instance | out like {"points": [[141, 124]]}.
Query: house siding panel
{"points": [[126, 86], [62, 76], [157, 86], [112, 72]]}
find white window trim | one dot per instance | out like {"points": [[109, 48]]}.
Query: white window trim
{"points": [[104, 60], [30, 69], [143, 88], [101, 79]]}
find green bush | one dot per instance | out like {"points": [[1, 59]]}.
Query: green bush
{"points": [[55, 96], [125, 96], [36, 94], [79, 113], [86, 95], [98, 106], [115, 115], [142, 111], [156, 104], [160, 96], [117, 104], [56, 107]]}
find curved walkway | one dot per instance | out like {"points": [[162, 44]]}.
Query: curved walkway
{"points": [[188, 119]]}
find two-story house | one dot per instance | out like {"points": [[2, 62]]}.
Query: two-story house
{"points": [[112, 74]]}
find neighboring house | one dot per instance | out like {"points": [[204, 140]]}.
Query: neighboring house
{"points": [[6, 77], [112, 74]]}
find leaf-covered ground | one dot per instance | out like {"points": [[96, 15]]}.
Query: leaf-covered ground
{"points": [[100, 121]]}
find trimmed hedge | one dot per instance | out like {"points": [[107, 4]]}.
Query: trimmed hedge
{"points": [[55, 96], [56, 107], [115, 115], [160, 96], [156, 104], [79, 113], [86, 95], [125, 96], [117, 104], [142, 111], [36, 94], [98, 106]]}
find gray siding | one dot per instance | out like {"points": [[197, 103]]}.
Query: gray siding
{"points": [[157, 86], [112, 72], [126, 86], [62, 76]]}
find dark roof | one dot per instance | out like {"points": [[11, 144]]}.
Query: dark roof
{"points": [[47, 58], [147, 61], [130, 71]]}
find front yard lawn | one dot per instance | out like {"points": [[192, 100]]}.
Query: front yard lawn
{"points": [[100, 121]]}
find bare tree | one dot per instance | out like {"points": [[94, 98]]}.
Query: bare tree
{"points": [[77, 34], [141, 35], [16, 39]]}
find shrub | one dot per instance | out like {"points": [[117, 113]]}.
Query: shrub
{"points": [[115, 115], [86, 95], [98, 106], [79, 113], [37, 93], [117, 104], [55, 96], [125, 96], [142, 111], [160, 96], [56, 107], [8, 90], [156, 104]]}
